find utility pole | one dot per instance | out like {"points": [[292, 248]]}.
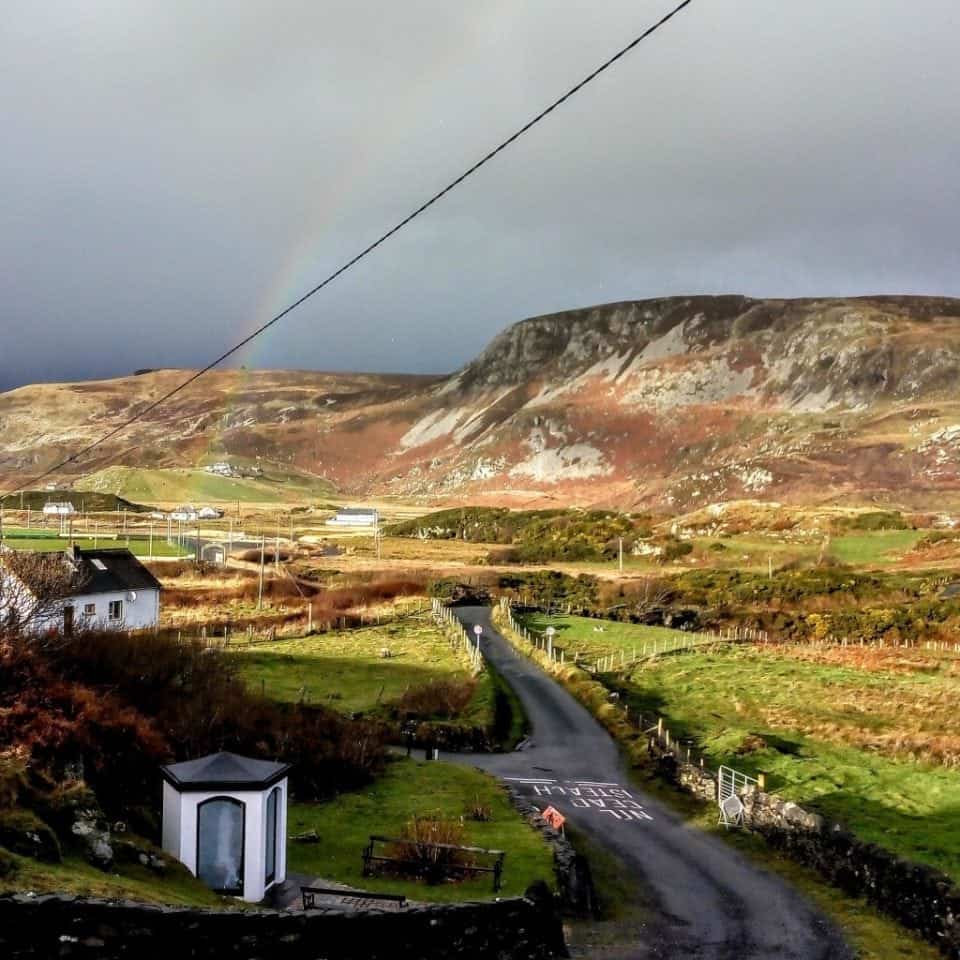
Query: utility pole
{"points": [[263, 545], [770, 566], [150, 553], [197, 557], [621, 554]]}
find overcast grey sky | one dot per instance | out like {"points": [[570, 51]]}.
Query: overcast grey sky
{"points": [[172, 172]]}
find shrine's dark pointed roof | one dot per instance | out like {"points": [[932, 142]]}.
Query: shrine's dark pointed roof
{"points": [[224, 771]]}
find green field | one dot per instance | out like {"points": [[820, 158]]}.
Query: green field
{"points": [[198, 486], [592, 639], [345, 669], [878, 546], [408, 788], [22, 539], [874, 748]]}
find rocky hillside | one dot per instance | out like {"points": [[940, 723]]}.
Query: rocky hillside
{"points": [[667, 404]]}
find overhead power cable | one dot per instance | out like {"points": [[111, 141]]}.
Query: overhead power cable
{"points": [[439, 195]]}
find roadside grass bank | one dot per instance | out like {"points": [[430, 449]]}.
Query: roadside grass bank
{"points": [[410, 788], [128, 881], [875, 936]]}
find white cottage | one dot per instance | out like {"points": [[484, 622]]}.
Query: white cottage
{"points": [[113, 591], [355, 517], [225, 820]]}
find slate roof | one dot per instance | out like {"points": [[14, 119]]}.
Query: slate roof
{"points": [[224, 771], [122, 571], [356, 512], [951, 590]]}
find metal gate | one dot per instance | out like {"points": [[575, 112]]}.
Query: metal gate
{"points": [[730, 784]]}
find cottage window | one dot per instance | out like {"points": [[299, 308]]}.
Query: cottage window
{"points": [[116, 609], [89, 609]]}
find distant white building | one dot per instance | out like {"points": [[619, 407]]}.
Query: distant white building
{"points": [[115, 591], [186, 514], [355, 517], [222, 469], [60, 509], [209, 513]]}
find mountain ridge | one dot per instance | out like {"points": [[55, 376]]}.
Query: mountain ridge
{"points": [[664, 403]]}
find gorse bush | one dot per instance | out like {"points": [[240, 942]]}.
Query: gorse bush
{"points": [[532, 535], [441, 699]]}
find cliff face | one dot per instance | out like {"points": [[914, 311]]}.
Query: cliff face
{"points": [[667, 403]]}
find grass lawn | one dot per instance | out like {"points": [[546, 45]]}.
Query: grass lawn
{"points": [[344, 669], [878, 546], [873, 744], [410, 787], [191, 485], [584, 635], [129, 881], [40, 540]]}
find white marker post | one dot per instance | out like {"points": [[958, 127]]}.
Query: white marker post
{"points": [[550, 632]]}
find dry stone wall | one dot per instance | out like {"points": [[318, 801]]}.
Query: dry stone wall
{"points": [[35, 927], [917, 896]]}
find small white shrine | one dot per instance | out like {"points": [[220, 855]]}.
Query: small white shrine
{"points": [[225, 819]]}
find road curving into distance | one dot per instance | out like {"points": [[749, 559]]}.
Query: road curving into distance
{"points": [[706, 900]]}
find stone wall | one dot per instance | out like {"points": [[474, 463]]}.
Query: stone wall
{"points": [[35, 927], [919, 897], [574, 880]]}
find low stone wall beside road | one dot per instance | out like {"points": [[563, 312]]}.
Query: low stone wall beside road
{"points": [[919, 897], [40, 927], [574, 880]]}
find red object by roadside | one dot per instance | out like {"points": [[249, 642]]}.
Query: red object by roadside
{"points": [[554, 817]]}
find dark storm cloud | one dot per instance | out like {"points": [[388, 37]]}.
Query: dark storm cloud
{"points": [[174, 172]]}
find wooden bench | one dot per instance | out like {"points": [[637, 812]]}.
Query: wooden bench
{"points": [[438, 871]]}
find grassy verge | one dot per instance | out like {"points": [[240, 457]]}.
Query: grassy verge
{"points": [[410, 788], [74, 875]]}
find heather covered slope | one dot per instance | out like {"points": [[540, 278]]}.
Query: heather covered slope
{"points": [[667, 404]]}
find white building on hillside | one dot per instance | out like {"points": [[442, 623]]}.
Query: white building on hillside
{"points": [[64, 509], [225, 820], [185, 514], [114, 591], [355, 517]]}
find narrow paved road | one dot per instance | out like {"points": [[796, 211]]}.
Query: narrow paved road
{"points": [[709, 902]]}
